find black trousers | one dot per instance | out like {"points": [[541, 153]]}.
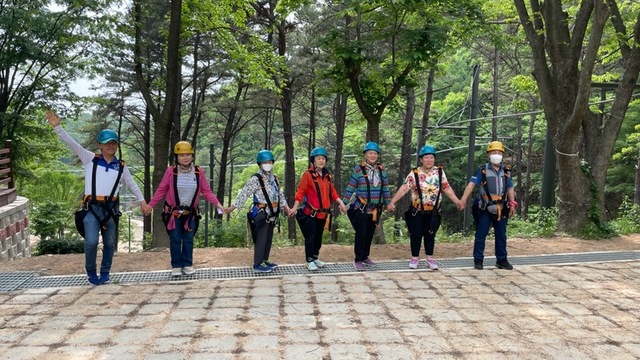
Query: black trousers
{"points": [[365, 227], [262, 233], [312, 229], [423, 226]]}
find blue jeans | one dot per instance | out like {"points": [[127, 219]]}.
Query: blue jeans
{"points": [[485, 221], [181, 242], [92, 231]]}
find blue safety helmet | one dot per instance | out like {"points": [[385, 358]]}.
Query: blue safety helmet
{"points": [[317, 151], [371, 146], [107, 135], [264, 155], [427, 149]]}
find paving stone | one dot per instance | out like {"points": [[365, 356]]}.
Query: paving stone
{"points": [[24, 352], [104, 321], [122, 352], [144, 320], [168, 356], [75, 352], [342, 336], [170, 344], [393, 352], [180, 328], [152, 309], [133, 336], [260, 342], [220, 344], [88, 337], [45, 337], [349, 351], [194, 303], [187, 314], [304, 336], [305, 351]]}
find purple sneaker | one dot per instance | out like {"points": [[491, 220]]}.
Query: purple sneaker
{"points": [[358, 265], [368, 262]]}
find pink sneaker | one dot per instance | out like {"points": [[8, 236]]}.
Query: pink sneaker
{"points": [[432, 264], [358, 265], [413, 263]]}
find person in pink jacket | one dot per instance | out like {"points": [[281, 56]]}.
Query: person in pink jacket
{"points": [[180, 188]]}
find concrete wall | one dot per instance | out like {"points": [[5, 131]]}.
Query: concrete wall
{"points": [[14, 230]]}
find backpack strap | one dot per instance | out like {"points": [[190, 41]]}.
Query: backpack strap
{"points": [[103, 222], [274, 213]]}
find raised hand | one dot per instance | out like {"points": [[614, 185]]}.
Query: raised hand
{"points": [[52, 118]]}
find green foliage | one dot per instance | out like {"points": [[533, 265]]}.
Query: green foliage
{"points": [[628, 221], [59, 246], [49, 220]]}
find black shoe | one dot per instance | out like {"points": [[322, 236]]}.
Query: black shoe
{"points": [[477, 264], [504, 264]]}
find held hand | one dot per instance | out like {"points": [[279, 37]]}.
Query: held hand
{"points": [[145, 208], [292, 211], [461, 205], [343, 209], [228, 210], [391, 207], [52, 118]]}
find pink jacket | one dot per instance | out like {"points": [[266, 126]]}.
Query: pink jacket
{"points": [[166, 192]]}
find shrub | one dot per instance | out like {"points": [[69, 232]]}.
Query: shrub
{"points": [[59, 246]]}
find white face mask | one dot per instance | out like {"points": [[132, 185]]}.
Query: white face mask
{"points": [[495, 159], [266, 167]]}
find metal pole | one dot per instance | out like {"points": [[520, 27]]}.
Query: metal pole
{"points": [[472, 136], [129, 216]]}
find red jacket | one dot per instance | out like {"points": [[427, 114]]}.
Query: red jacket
{"points": [[307, 188]]}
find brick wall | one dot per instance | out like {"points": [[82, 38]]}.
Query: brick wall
{"points": [[14, 230]]}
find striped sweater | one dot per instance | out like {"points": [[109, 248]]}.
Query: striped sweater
{"points": [[357, 186]]}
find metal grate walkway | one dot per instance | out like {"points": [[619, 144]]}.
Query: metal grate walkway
{"points": [[31, 280]]}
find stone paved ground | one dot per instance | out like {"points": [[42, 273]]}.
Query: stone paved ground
{"points": [[586, 311]]}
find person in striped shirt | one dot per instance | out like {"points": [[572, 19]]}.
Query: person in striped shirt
{"points": [[367, 192]]}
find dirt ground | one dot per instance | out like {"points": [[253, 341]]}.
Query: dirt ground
{"points": [[226, 257]]}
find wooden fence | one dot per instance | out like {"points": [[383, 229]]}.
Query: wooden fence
{"points": [[7, 186]]}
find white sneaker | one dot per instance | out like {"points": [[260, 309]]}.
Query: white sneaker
{"points": [[176, 271], [319, 263], [311, 266], [188, 270], [413, 263]]}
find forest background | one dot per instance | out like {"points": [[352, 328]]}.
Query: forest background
{"points": [[555, 81]]}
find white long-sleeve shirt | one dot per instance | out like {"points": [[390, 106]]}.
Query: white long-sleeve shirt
{"points": [[106, 173]]}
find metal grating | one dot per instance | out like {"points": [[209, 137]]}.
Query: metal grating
{"points": [[14, 280], [31, 280]]}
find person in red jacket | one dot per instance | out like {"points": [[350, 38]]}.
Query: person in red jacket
{"points": [[316, 193], [180, 188]]}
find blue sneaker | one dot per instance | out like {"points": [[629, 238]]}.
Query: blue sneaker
{"points": [[92, 277], [104, 278], [273, 266], [262, 268]]}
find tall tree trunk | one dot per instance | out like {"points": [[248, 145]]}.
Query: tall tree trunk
{"points": [[162, 118], [563, 68], [426, 113], [340, 119], [406, 161]]}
